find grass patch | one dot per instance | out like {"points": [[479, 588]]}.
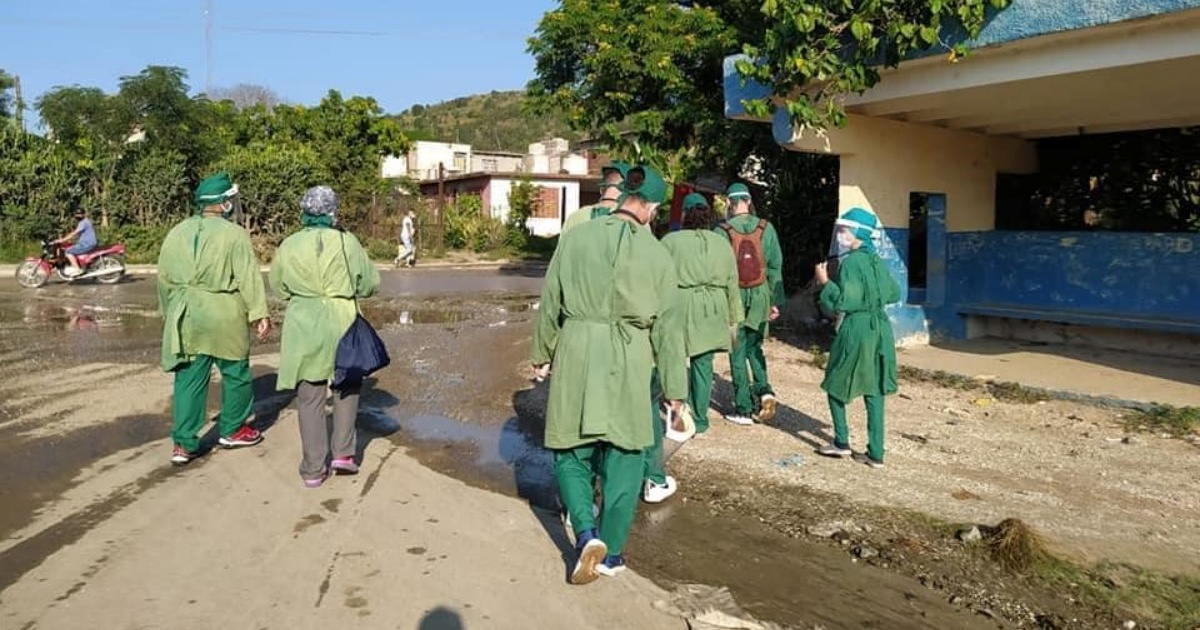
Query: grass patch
{"points": [[1171, 602], [1006, 392], [820, 358], [1176, 421]]}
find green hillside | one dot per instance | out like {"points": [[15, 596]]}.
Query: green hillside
{"points": [[490, 122]]}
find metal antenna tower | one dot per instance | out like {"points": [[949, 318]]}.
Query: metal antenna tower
{"points": [[208, 46]]}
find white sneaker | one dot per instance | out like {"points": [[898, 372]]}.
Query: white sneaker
{"points": [[767, 412], [71, 272], [654, 493], [744, 421], [592, 554]]}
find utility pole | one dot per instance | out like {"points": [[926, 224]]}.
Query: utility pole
{"points": [[441, 210], [208, 46]]}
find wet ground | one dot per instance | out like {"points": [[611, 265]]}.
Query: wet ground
{"points": [[455, 397]]}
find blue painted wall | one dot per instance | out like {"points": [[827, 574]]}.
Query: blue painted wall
{"points": [[1133, 274], [1136, 275]]}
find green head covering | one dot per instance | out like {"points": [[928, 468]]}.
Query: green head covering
{"points": [[645, 182], [738, 191], [214, 190], [621, 168], [694, 200]]}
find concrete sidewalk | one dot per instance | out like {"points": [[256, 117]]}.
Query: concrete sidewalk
{"points": [[1094, 373]]}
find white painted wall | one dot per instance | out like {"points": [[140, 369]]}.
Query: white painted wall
{"points": [[395, 166], [883, 160], [500, 188]]}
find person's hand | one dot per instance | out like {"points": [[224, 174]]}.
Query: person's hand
{"points": [[540, 372], [822, 273], [676, 415], [774, 313], [263, 328]]}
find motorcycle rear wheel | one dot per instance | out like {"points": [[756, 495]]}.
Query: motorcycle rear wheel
{"points": [[31, 275], [108, 263]]}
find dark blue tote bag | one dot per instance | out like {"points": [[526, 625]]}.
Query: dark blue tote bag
{"points": [[360, 352]]}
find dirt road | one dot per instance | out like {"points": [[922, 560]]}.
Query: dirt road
{"points": [[99, 532]]}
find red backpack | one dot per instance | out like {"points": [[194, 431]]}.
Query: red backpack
{"points": [[748, 252]]}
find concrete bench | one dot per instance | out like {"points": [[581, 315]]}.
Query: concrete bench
{"points": [[1134, 321]]}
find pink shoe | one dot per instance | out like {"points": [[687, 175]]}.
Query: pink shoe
{"points": [[316, 483], [344, 466]]}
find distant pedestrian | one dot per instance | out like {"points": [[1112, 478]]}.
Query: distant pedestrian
{"points": [[862, 360], [408, 232], [320, 271]]}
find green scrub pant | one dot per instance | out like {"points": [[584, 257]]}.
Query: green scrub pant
{"points": [[620, 474], [748, 351], [655, 468], [700, 385], [841, 430], [191, 398]]}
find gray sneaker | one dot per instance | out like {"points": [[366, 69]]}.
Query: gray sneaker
{"points": [[834, 450]]}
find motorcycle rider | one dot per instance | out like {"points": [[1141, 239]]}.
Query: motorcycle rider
{"points": [[86, 243]]}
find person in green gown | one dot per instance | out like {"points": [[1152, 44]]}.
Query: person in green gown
{"points": [[759, 261], [607, 317], [210, 288], [862, 359], [712, 301], [612, 177], [320, 271]]}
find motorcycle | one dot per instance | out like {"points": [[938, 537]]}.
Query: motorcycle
{"points": [[104, 264]]}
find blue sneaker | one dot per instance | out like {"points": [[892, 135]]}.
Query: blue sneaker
{"points": [[612, 565], [591, 552]]}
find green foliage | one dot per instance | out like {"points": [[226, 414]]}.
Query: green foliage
{"points": [[522, 201], [1146, 181], [641, 74], [142, 242], [7, 104], [468, 227], [812, 52], [497, 121], [133, 158], [1177, 421]]}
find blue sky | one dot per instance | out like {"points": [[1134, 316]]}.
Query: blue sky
{"points": [[403, 51]]}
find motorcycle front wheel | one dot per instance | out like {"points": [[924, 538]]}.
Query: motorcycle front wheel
{"points": [[31, 274], [113, 266]]}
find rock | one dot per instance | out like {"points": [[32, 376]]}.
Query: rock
{"points": [[970, 535], [956, 412], [905, 396], [986, 612], [865, 552], [955, 600], [1129, 439], [832, 528], [1129, 625]]}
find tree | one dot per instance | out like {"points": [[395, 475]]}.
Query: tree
{"points": [[641, 73], [246, 95], [91, 128], [272, 178], [813, 52], [6, 99]]}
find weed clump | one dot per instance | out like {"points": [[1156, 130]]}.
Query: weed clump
{"points": [[1016, 546]]}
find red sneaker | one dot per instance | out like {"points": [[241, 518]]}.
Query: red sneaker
{"points": [[244, 436], [179, 456]]}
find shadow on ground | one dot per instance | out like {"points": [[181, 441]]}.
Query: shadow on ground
{"points": [[798, 424]]}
